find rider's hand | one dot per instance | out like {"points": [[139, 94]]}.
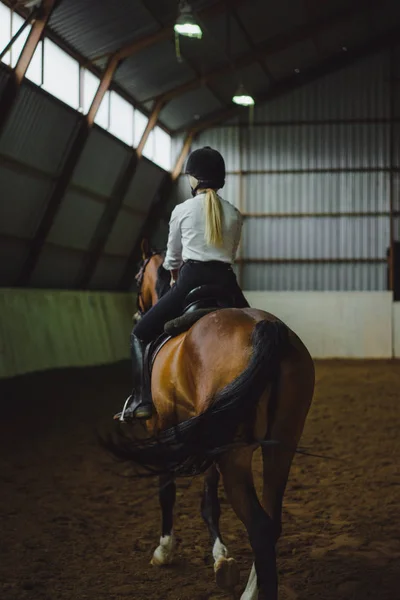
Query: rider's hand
{"points": [[174, 276]]}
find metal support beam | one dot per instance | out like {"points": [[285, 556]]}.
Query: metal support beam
{"points": [[10, 94], [104, 85], [106, 223], [151, 123], [289, 84], [65, 176], [182, 157]]}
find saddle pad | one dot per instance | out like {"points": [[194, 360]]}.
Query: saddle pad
{"points": [[185, 322]]}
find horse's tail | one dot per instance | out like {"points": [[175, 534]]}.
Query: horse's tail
{"points": [[190, 447]]}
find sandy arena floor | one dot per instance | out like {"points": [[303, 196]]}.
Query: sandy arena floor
{"points": [[74, 528]]}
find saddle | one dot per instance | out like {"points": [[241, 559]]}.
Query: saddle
{"points": [[201, 301]]}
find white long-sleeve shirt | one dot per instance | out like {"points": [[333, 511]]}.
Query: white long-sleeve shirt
{"points": [[187, 226]]}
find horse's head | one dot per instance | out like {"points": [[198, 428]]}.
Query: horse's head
{"points": [[152, 282]]}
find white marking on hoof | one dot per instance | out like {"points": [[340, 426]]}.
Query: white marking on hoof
{"points": [[226, 571], [219, 550], [164, 554], [251, 591]]}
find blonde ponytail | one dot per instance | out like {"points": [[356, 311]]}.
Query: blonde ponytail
{"points": [[213, 209]]}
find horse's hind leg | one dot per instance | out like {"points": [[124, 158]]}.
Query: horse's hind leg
{"points": [[292, 402], [276, 465], [225, 568], [238, 481], [164, 553]]}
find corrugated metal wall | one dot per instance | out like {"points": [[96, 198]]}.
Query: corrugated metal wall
{"points": [[33, 148], [312, 176]]}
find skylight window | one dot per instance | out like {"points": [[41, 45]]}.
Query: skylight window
{"points": [[121, 118], [61, 74], [162, 148]]}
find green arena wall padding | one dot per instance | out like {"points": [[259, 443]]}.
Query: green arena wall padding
{"points": [[46, 329]]}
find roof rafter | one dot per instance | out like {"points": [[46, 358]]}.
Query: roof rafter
{"points": [[151, 123]]}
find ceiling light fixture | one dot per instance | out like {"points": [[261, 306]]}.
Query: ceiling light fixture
{"points": [[186, 23], [242, 98]]}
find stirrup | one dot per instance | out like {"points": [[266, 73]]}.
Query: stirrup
{"points": [[140, 412], [121, 416]]}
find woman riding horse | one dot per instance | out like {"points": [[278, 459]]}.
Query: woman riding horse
{"points": [[237, 380], [204, 235]]}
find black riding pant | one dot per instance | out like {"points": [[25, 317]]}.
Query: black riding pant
{"points": [[191, 275]]}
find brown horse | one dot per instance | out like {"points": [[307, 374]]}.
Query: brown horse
{"points": [[238, 379]]}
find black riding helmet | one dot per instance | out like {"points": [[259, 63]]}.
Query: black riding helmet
{"points": [[208, 167]]}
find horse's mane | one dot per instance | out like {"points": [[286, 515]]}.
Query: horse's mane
{"points": [[163, 281]]}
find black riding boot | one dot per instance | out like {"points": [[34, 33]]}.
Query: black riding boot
{"points": [[139, 404]]}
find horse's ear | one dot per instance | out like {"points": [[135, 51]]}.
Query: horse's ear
{"points": [[145, 248]]}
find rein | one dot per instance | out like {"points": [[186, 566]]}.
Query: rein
{"points": [[139, 281]]}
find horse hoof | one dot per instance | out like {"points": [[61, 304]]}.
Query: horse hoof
{"points": [[227, 574], [161, 560], [164, 553]]}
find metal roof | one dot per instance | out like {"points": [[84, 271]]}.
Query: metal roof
{"points": [[142, 82], [267, 39], [94, 28], [190, 106]]}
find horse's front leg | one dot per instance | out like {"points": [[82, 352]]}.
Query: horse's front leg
{"points": [[164, 553], [225, 568]]}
